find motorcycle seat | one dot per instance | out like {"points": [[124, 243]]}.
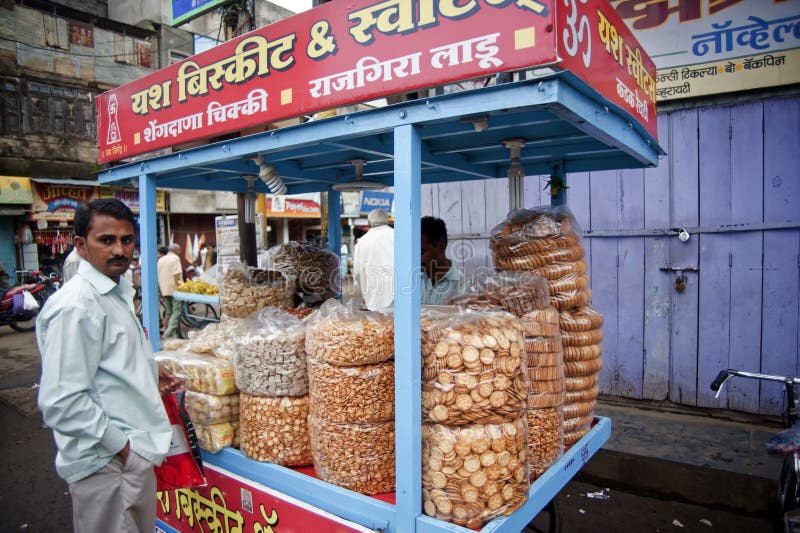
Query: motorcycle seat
{"points": [[785, 442]]}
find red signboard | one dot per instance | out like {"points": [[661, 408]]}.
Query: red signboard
{"points": [[229, 503], [596, 45], [346, 52], [333, 55]]}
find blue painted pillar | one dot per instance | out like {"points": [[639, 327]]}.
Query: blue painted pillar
{"points": [[147, 238], [334, 221], [408, 388]]}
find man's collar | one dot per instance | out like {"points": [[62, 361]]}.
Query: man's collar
{"points": [[100, 281]]}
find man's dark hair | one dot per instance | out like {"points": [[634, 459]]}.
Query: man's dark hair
{"points": [[434, 229], [106, 206], [163, 250]]}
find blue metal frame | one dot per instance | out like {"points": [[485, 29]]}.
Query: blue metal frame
{"points": [[407, 145], [147, 257]]}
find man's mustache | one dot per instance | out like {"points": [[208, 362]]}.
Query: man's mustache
{"points": [[117, 259]]}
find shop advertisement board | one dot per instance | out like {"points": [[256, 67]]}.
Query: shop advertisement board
{"points": [[185, 10], [343, 53], [15, 190], [293, 206], [55, 202], [703, 47], [232, 503], [377, 200], [130, 197], [227, 234]]}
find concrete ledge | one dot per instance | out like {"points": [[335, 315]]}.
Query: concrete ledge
{"points": [[681, 482]]}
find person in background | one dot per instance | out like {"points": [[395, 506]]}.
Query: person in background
{"points": [[210, 258], [373, 262], [441, 280], [170, 277], [4, 283], [162, 251], [71, 263], [99, 389]]}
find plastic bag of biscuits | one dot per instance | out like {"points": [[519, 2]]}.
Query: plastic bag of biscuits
{"points": [[545, 438], [314, 269], [351, 393], [214, 437], [535, 232], [473, 473], [275, 429], [200, 373], [474, 366], [269, 358], [235, 292], [208, 409], [359, 457], [343, 335], [517, 292]]}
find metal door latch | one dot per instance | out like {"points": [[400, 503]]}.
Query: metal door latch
{"points": [[680, 277]]}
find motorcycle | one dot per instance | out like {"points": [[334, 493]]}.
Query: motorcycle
{"points": [[12, 306]]}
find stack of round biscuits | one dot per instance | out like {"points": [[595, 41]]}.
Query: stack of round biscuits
{"points": [[544, 242], [275, 429], [474, 389], [473, 473], [546, 388], [582, 335], [351, 391]]}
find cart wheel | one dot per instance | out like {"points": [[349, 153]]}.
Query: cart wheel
{"points": [[548, 520], [196, 316]]}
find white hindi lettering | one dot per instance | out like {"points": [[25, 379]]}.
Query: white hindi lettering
{"points": [[367, 70], [483, 48], [256, 102], [155, 131]]}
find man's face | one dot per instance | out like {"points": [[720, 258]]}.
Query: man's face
{"points": [[108, 246], [431, 254]]}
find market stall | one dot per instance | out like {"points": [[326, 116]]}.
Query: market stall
{"points": [[588, 104]]}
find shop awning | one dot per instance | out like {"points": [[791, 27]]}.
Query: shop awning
{"points": [[562, 122]]}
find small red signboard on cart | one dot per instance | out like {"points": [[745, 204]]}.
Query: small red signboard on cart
{"points": [[347, 52], [230, 503]]}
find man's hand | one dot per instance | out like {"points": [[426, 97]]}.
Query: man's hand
{"points": [[167, 381], [123, 453]]}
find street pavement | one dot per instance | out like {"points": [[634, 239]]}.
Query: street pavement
{"points": [[34, 499]]}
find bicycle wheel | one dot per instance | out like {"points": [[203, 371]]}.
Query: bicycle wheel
{"points": [[788, 496], [196, 316], [548, 520]]}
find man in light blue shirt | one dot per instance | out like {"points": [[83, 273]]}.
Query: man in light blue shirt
{"points": [[441, 280], [99, 390]]}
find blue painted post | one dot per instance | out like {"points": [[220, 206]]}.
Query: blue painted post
{"points": [[408, 387], [147, 259], [334, 221]]}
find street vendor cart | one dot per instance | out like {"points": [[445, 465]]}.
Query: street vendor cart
{"points": [[582, 98]]}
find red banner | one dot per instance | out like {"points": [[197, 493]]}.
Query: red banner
{"points": [[596, 45], [232, 504], [336, 54]]}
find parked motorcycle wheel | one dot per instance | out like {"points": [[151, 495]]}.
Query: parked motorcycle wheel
{"points": [[28, 324]]}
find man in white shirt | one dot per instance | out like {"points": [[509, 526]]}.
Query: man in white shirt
{"points": [[373, 262], [441, 280], [170, 276], [70, 265]]}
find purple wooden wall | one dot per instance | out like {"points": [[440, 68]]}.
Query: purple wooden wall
{"points": [[735, 167]]}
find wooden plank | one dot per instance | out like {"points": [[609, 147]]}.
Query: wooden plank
{"points": [[714, 276], [657, 284], [747, 152], [578, 196], [779, 352], [473, 253], [628, 376], [496, 207], [426, 199], [449, 196], [683, 143], [533, 191], [603, 270]]}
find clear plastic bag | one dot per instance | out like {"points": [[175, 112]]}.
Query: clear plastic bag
{"points": [[244, 291], [545, 439], [342, 335], [358, 457], [474, 366], [474, 473], [351, 393], [206, 409], [535, 231], [200, 373], [275, 429], [315, 269], [269, 357], [516, 292], [214, 437]]}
